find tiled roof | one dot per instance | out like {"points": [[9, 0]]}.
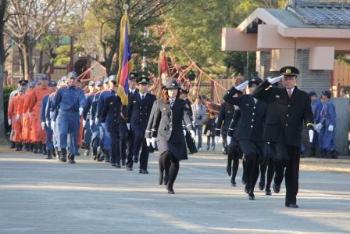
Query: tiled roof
{"points": [[323, 15]]}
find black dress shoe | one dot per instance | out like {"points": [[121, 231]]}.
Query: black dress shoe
{"points": [[292, 205], [261, 185], [268, 192], [251, 196], [171, 191], [233, 183], [113, 164], [145, 172], [276, 188]]}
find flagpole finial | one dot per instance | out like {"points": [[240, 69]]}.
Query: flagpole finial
{"points": [[126, 8]]}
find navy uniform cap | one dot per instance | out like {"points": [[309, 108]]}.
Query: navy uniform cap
{"points": [[172, 84], [143, 79], [133, 76], [289, 71], [327, 93], [254, 81], [23, 82], [53, 83]]}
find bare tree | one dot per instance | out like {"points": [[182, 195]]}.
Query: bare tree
{"points": [[28, 21], [3, 5]]}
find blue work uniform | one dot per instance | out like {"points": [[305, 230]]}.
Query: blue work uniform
{"points": [[69, 100]]}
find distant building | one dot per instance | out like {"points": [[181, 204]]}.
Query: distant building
{"points": [[307, 34]]}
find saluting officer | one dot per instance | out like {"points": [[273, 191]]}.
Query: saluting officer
{"points": [[288, 108], [250, 128], [70, 101], [223, 123], [170, 112], [140, 109]]}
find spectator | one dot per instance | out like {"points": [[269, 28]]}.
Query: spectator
{"points": [[316, 107], [209, 131], [199, 117], [326, 126]]}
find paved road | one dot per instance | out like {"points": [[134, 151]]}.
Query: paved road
{"points": [[40, 196]]}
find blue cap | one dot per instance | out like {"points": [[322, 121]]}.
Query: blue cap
{"points": [[312, 93], [99, 83], [72, 75], [53, 83]]}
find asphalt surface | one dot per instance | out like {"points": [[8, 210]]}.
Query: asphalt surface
{"points": [[46, 196]]}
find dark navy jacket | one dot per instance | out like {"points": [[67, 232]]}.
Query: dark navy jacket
{"points": [[251, 122], [139, 111], [110, 113]]}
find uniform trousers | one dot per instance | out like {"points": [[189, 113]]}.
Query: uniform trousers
{"points": [[68, 127], [287, 165]]}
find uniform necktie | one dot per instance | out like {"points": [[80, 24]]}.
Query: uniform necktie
{"points": [[172, 102], [289, 93]]}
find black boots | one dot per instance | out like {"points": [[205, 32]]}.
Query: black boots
{"points": [[63, 155], [18, 146], [71, 159]]}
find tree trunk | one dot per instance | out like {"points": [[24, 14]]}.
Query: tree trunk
{"points": [[26, 62], [2, 62], [41, 57]]}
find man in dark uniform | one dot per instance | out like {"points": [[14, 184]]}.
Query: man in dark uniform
{"points": [[87, 120], [111, 117], [140, 109], [131, 93], [249, 130], [288, 108], [125, 135], [95, 138], [223, 123]]}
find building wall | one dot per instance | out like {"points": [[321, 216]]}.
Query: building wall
{"points": [[311, 80]]}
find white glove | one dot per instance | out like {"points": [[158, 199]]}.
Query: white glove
{"points": [[47, 123], [53, 123], [217, 139], [128, 126], [193, 134], [148, 142], [81, 111], [96, 121], [229, 139], [275, 79], [311, 136], [103, 125], [84, 123], [318, 127], [91, 122], [184, 131], [242, 86], [331, 128], [153, 142], [9, 121], [43, 125]]}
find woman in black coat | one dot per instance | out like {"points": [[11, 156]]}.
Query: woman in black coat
{"points": [[169, 113]]}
